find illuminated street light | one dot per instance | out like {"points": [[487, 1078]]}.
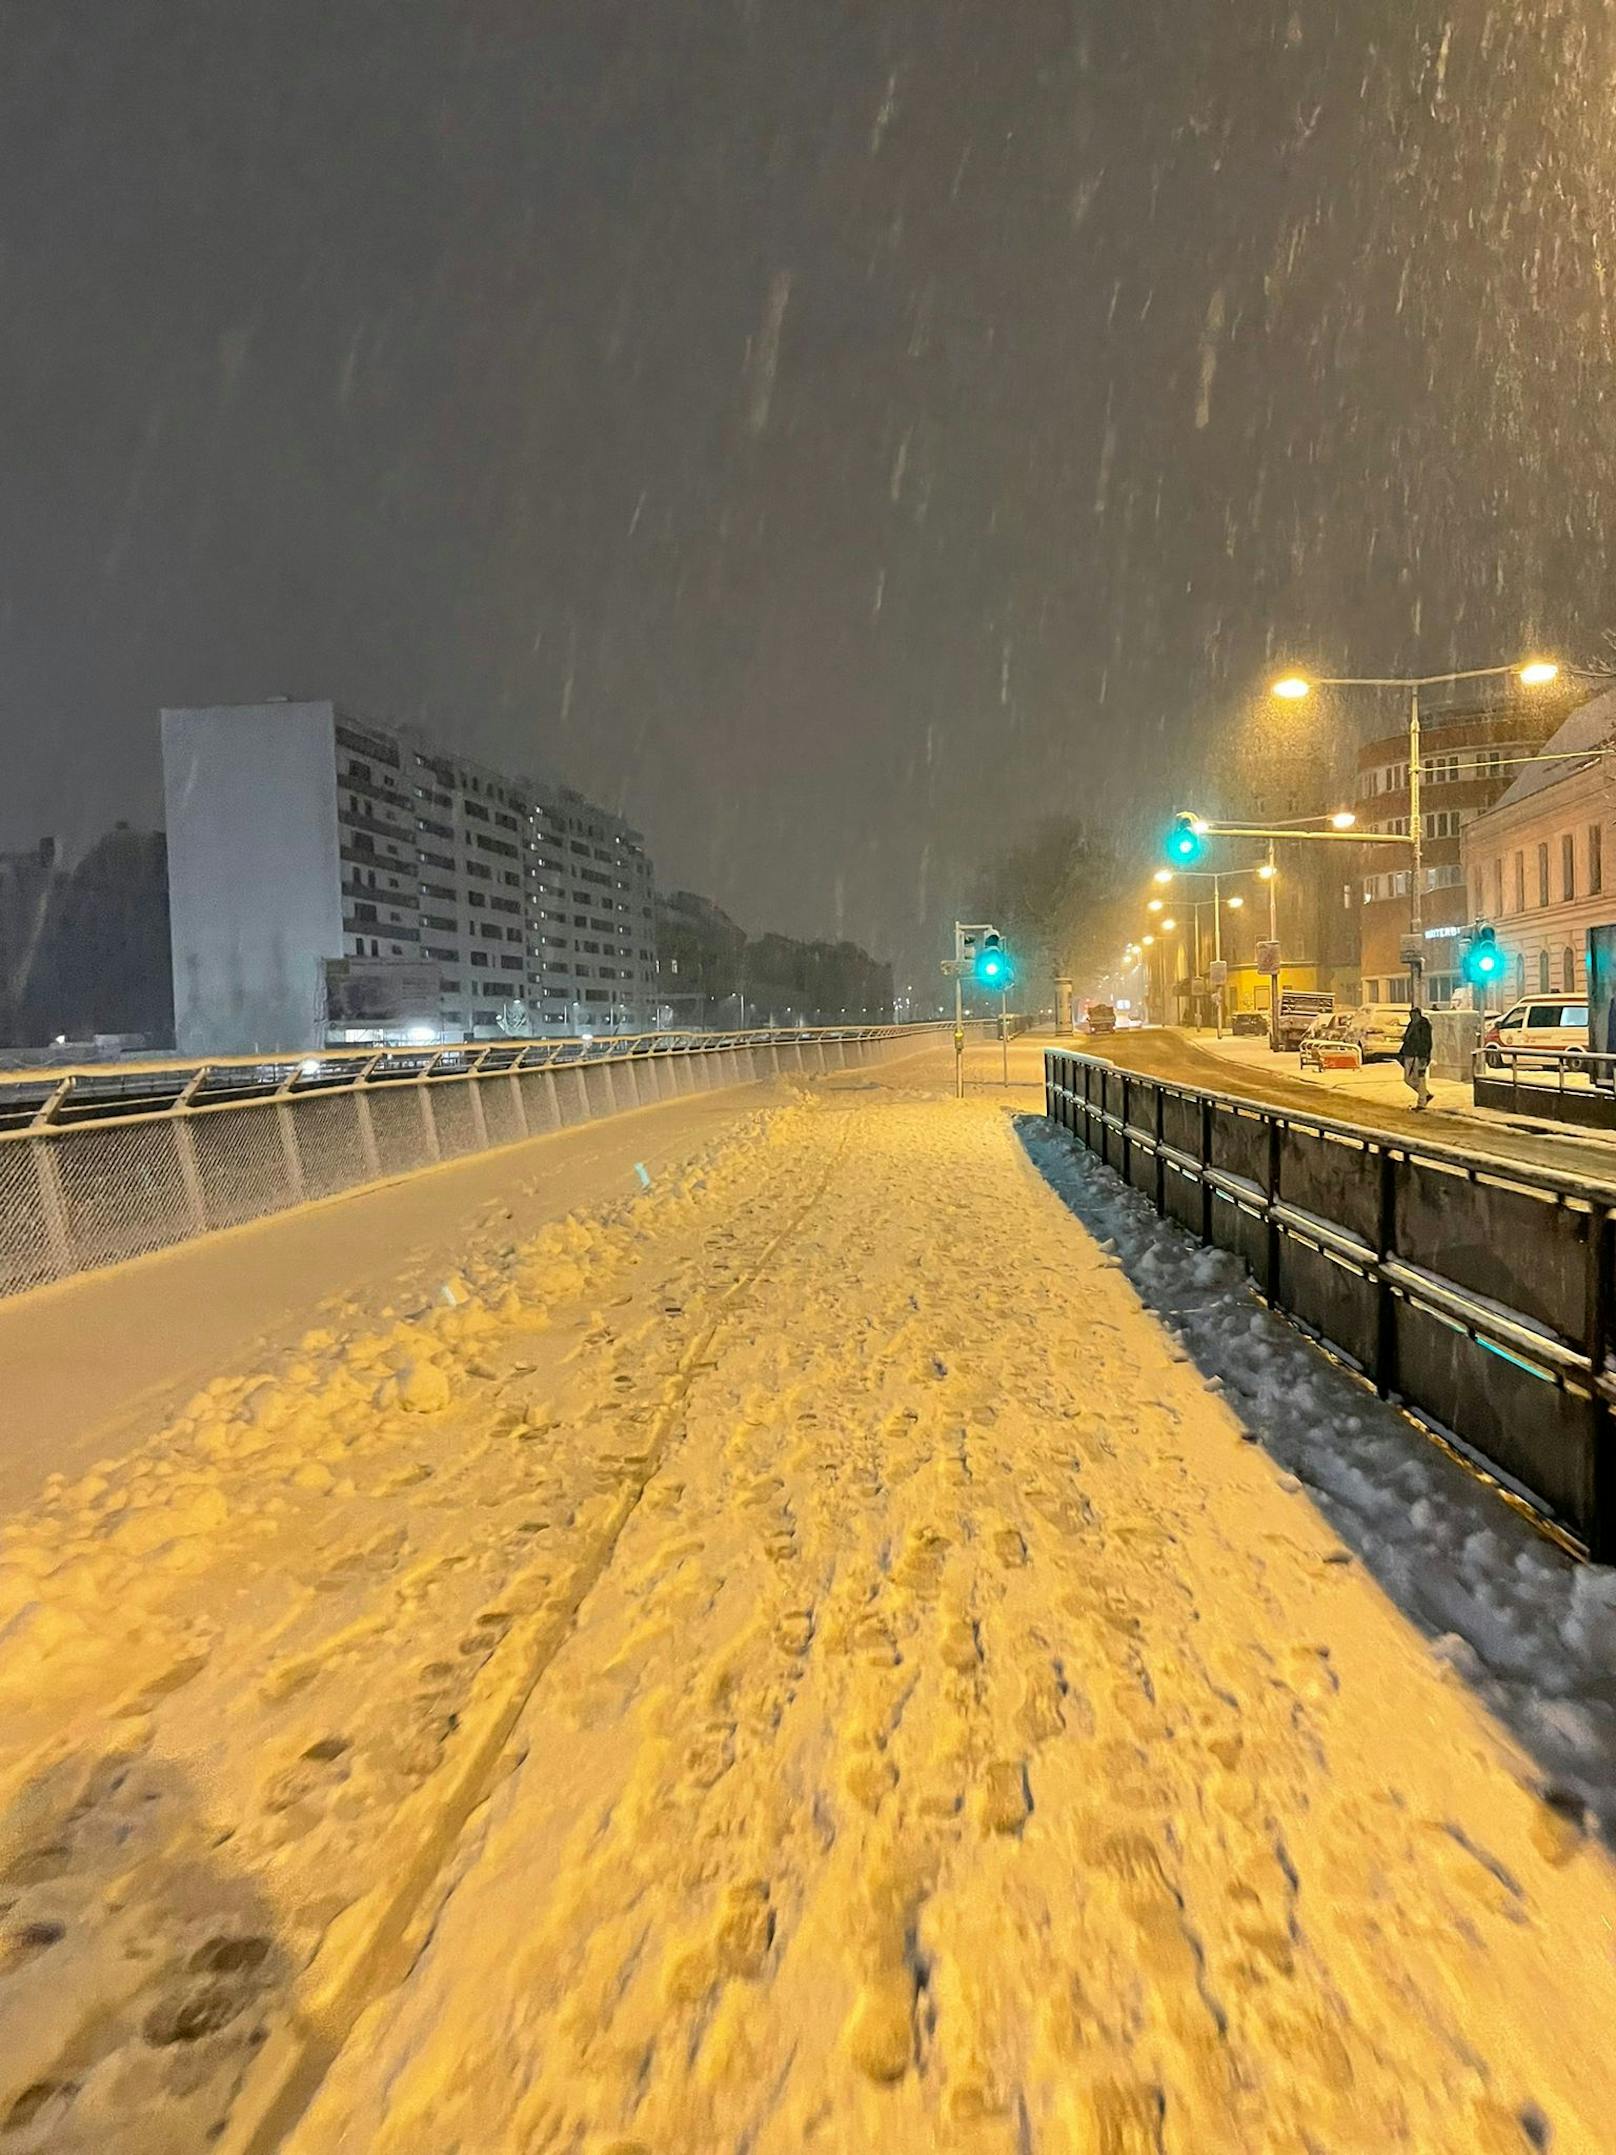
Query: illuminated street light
{"points": [[1146, 942], [1234, 904], [1168, 926], [1154, 906], [1267, 871], [1531, 673], [1162, 875], [1343, 820]]}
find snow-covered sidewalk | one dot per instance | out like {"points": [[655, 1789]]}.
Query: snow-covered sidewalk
{"points": [[803, 1661], [1382, 1084]]}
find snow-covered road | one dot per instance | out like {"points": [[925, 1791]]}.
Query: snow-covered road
{"points": [[799, 1660]]}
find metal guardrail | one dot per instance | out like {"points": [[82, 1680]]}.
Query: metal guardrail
{"points": [[114, 1161], [1479, 1295], [1571, 1085]]}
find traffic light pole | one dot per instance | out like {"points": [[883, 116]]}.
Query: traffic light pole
{"points": [[959, 1038], [1273, 937]]}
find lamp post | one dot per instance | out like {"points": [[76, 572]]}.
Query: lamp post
{"points": [[1535, 673], [1217, 877]]}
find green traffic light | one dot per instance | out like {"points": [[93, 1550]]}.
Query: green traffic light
{"points": [[1184, 842]]}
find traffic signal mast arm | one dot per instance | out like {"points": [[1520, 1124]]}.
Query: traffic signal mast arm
{"points": [[1206, 829]]}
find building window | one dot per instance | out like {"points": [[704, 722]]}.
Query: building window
{"points": [[1568, 866], [1498, 888], [1543, 877], [1520, 887], [1596, 860], [1568, 970], [1543, 972]]}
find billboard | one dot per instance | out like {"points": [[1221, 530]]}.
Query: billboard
{"points": [[380, 991]]}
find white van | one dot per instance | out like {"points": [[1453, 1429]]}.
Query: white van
{"points": [[1558, 1023]]}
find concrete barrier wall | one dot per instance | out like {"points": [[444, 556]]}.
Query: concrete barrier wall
{"points": [[82, 1195]]}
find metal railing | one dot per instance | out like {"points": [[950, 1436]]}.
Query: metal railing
{"points": [[1573, 1085], [113, 1161], [1479, 1295]]}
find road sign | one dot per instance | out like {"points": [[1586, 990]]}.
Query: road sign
{"points": [[1411, 950], [1268, 957], [958, 968], [1218, 972]]}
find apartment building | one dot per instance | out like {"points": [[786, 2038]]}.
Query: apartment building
{"points": [[1469, 756], [1540, 865], [333, 878]]}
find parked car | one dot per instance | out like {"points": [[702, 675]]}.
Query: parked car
{"points": [[1100, 1018], [1557, 1024], [1249, 1025], [1379, 1028], [1373, 1030]]}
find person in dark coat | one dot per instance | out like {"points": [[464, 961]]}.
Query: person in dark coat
{"points": [[1415, 1056]]}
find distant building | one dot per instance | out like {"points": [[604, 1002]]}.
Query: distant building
{"points": [[700, 953], [1315, 925], [1540, 864], [713, 973], [1469, 756], [29, 880], [331, 878], [85, 951]]}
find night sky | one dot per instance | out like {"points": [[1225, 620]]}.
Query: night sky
{"points": [[834, 434]]}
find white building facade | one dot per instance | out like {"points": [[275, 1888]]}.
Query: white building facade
{"points": [[331, 878], [1540, 865]]}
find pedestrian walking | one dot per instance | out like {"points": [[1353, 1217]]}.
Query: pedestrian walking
{"points": [[1415, 1056]]}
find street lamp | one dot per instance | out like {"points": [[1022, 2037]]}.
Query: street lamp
{"points": [[1217, 877], [1343, 820], [1531, 673]]}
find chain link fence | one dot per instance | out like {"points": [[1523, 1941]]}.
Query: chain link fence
{"points": [[107, 1164]]}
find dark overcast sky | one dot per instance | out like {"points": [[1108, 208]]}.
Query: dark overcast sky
{"points": [[834, 433]]}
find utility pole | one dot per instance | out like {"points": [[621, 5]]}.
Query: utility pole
{"points": [[1416, 830], [1273, 937]]}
